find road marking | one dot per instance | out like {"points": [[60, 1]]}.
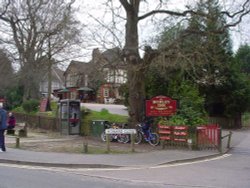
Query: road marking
{"points": [[59, 169], [192, 162]]}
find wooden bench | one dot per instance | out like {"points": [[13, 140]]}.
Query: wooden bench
{"points": [[20, 130]]}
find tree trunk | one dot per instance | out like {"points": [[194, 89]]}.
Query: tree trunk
{"points": [[135, 64], [49, 75], [237, 121], [30, 82], [136, 94], [49, 79]]}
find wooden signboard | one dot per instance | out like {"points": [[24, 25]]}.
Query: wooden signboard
{"points": [[160, 106]]}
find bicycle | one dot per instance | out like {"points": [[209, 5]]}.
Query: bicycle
{"points": [[151, 137], [122, 138]]}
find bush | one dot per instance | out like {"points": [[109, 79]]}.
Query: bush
{"points": [[191, 105], [30, 105], [14, 97], [104, 112]]}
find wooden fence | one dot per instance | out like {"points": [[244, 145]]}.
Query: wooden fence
{"points": [[224, 122], [38, 121], [208, 137], [202, 137]]}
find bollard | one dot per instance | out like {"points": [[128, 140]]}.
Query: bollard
{"points": [[229, 139], [190, 143], [220, 140], [85, 147], [17, 142], [108, 143], [132, 142]]}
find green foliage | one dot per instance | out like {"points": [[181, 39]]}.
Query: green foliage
{"points": [[18, 109], [237, 89], [123, 90], [169, 35], [196, 66], [209, 52], [178, 120], [242, 57], [246, 119], [30, 105], [53, 106], [6, 73], [104, 112], [14, 97], [191, 105], [156, 82], [191, 109], [107, 116]]}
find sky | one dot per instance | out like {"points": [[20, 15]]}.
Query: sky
{"points": [[101, 37], [96, 16]]}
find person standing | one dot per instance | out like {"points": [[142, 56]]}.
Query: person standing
{"points": [[11, 121], [3, 126]]}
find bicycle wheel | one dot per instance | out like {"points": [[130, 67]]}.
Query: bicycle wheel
{"points": [[104, 136], [123, 138], [154, 139], [138, 137]]}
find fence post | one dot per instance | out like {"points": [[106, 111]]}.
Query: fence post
{"points": [[132, 142], [85, 147], [196, 138], [108, 143], [17, 142], [229, 139], [219, 140], [39, 121]]}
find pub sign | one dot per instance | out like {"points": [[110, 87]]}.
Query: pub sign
{"points": [[160, 106]]}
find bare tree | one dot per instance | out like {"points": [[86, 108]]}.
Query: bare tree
{"points": [[6, 73], [38, 30]]}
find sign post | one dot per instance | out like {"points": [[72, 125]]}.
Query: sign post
{"points": [[132, 133], [108, 143]]}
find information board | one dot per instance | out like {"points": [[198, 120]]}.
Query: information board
{"points": [[120, 131]]}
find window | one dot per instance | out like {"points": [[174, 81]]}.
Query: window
{"points": [[105, 92], [72, 81], [73, 95]]}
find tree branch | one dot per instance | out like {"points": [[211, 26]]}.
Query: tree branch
{"points": [[5, 10], [241, 13], [173, 13], [125, 4]]}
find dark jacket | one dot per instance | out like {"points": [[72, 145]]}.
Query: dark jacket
{"points": [[3, 123], [12, 121]]}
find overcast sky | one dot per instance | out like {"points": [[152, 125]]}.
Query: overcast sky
{"points": [[147, 31]]}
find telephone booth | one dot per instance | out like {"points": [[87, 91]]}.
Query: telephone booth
{"points": [[70, 116]]}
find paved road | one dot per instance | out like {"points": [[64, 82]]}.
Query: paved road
{"points": [[230, 170], [112, 108]]}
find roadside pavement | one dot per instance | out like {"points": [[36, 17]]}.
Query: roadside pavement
{"points": [[151, 158]]}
